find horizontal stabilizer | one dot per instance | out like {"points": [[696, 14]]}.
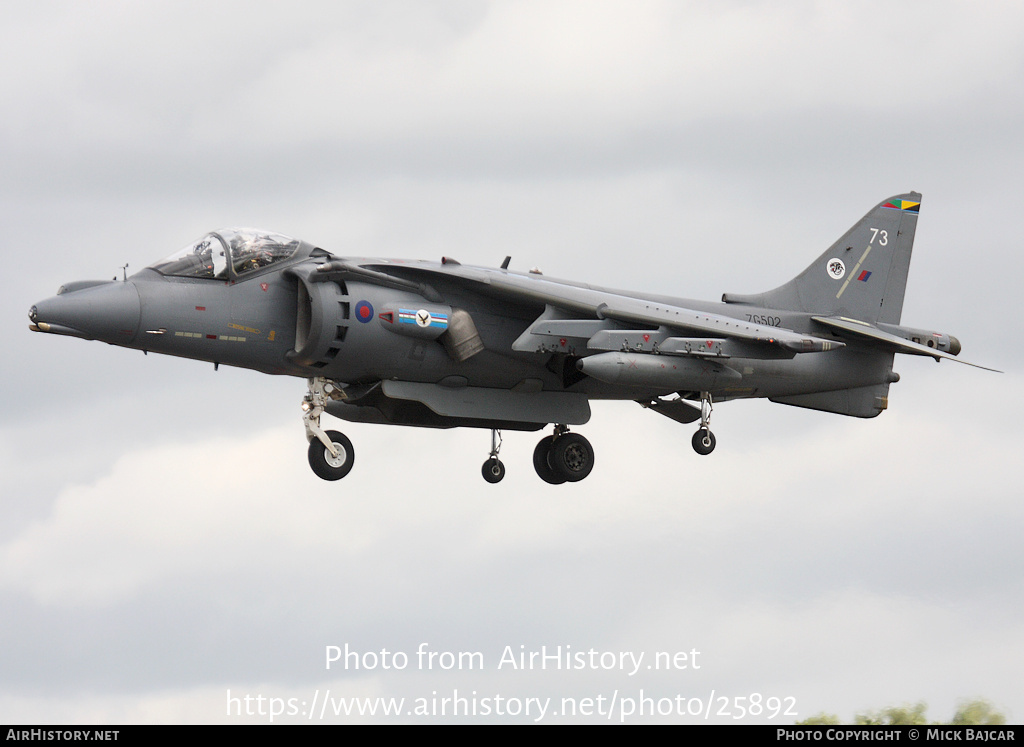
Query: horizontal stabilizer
{"points": [[864, 331]]}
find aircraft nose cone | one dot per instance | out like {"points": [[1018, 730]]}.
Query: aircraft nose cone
{"points": [[954, 346], [106, 311]]}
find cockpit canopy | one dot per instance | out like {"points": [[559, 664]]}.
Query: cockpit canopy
{"points": [[243, 250]]}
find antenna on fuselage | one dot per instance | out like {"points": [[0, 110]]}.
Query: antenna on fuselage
{"points": [[504, 265]]}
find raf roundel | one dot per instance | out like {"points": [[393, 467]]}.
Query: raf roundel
{"points": [[364, 311]]}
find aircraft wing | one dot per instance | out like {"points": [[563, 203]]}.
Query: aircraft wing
{"points": [[584, 303]]}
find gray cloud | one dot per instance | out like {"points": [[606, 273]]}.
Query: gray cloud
{"points": [[164, 540]]}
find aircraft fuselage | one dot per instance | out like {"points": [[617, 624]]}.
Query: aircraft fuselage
{"points": [[439, 344]]}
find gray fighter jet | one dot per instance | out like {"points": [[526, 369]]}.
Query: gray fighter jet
{"points": [[442, 345]]}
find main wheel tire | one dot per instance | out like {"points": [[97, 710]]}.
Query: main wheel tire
{"points": [[324, 464], [572, 456], [493, 470], [703, 441], [542, 462]]}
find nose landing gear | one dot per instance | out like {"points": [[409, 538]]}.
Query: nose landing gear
{"points": [[331, 455]]}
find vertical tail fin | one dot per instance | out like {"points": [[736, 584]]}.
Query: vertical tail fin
{"points": [[863, 275]]}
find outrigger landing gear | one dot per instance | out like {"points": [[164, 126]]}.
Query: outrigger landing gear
{"points": [[563, 457], [493, 470], [331, 455], [704, 440]]}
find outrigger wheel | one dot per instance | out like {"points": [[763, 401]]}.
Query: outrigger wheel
{"points": [[704, 440], [493, 470]]}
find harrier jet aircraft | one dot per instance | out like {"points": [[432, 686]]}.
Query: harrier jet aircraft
{"points": [[442, 345]]}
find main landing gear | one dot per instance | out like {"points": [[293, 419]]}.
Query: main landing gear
{"points": [[563, 457], [704, 440]]}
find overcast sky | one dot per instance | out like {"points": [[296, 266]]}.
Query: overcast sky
{"points": [[164, 541]]}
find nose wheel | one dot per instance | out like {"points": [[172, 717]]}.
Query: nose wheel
{"points": [[332, 466], [331, 455]]}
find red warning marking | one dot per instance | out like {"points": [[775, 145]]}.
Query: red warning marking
{"points": [[200, 308], [388, 316], [647, 338], [211, 337], [709, 343], [264, 286], [562, 342]]}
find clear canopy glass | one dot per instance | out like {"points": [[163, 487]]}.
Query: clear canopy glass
{"points": [[244, 250]]}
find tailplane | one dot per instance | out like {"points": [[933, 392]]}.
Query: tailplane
{"points": [[863, 275]]}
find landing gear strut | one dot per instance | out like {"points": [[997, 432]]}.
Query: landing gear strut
{"points": [[493, 470], [331, 455], [563, 457], [704, 440]]}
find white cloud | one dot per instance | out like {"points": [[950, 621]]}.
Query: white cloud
{"points": [[231, 505], [651, 146]]}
